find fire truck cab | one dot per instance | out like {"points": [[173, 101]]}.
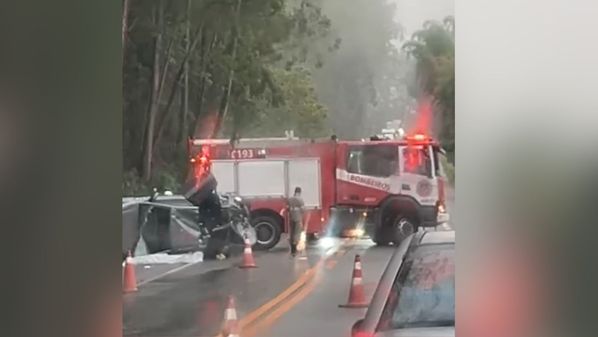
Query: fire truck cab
{"points": [[389, 188], [386, 189]]}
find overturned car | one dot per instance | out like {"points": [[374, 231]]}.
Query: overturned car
{"points": [[200, 219]]}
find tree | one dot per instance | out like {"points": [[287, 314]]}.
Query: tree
{"points": [[433, 48], [298, 108], [220, 65]]}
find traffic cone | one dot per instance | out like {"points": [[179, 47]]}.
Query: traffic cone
{"points": [[248, 261], [230, 327], [356, 293], [129, 278]]}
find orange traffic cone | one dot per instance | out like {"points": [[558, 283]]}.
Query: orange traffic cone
{"points": [[356, 293], [230, 327], [129, 278], [248, 261]]}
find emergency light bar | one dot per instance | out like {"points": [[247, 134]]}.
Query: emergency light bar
{"points": [[417, 137]]}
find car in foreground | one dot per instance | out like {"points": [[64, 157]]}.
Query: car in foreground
{"points": [[416, 293]]}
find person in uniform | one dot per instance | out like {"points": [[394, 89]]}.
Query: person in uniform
{"points": [[296, 209]]}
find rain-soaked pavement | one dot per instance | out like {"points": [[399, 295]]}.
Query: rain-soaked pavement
{"points": [[283, 297], [319, 314], [191, 301]]}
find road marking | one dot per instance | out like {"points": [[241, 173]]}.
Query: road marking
{"points": [[293, 294], [171, 271], [302, 280], [330, 264], [257, 328], [257, 313], [269, 320]]}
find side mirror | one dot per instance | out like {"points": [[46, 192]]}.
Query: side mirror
{"points": [[356, 328]]}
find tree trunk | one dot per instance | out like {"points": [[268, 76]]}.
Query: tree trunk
{"points": [[154, 100], [125, 23], [203, 87], [164, 117], [224, 103], [185, 106]]}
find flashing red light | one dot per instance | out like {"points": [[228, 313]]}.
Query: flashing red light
{"points": [[417, 137], [202, 163]]}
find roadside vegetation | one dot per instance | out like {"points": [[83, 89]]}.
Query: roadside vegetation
{"points": [[239, 68], [433, 48]]}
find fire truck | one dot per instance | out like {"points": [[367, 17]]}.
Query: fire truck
{"points": [[383, 188]]}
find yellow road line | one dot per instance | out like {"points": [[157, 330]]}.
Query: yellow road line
{"points": [[330, 264], [301, 281], [270, 319], [279, 298]]}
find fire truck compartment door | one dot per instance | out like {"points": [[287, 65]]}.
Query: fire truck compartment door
{"points": [[261, 178], [224, 172], [306, 174]]}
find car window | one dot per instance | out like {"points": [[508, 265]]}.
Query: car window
{"points": [[376, 161], [423, 294], [416, 159]]}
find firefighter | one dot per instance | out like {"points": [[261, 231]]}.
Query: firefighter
{"points": [[296, 209]]}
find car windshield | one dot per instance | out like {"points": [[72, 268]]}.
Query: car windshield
{"points": [[423, 293]]}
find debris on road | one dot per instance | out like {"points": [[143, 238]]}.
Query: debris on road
{"points": [[164, 258]]}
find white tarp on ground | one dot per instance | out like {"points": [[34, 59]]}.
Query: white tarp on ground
{"points": [[164, 258], [141, 248]]}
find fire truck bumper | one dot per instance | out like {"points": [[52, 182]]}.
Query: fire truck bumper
{"points": [[348, 221], [430, 217]]}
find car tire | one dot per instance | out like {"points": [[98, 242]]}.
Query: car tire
{"points": [[268, 231]]}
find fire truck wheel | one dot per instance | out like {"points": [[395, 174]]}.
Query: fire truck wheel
{"points": [[268, 231]]}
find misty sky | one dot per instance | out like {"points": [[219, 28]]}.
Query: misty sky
{"points": [[413, 13]]}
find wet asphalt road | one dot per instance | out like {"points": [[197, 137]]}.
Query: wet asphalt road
{"points": [[318, 314], [191, 301]]}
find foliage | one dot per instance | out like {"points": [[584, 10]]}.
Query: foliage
{"points": [[230, 68], [239, 62], [163, 178], [449, 170], [433, 48], [300, 110]]}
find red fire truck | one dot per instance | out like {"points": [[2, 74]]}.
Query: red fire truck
{"points": [[386, 189]]}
